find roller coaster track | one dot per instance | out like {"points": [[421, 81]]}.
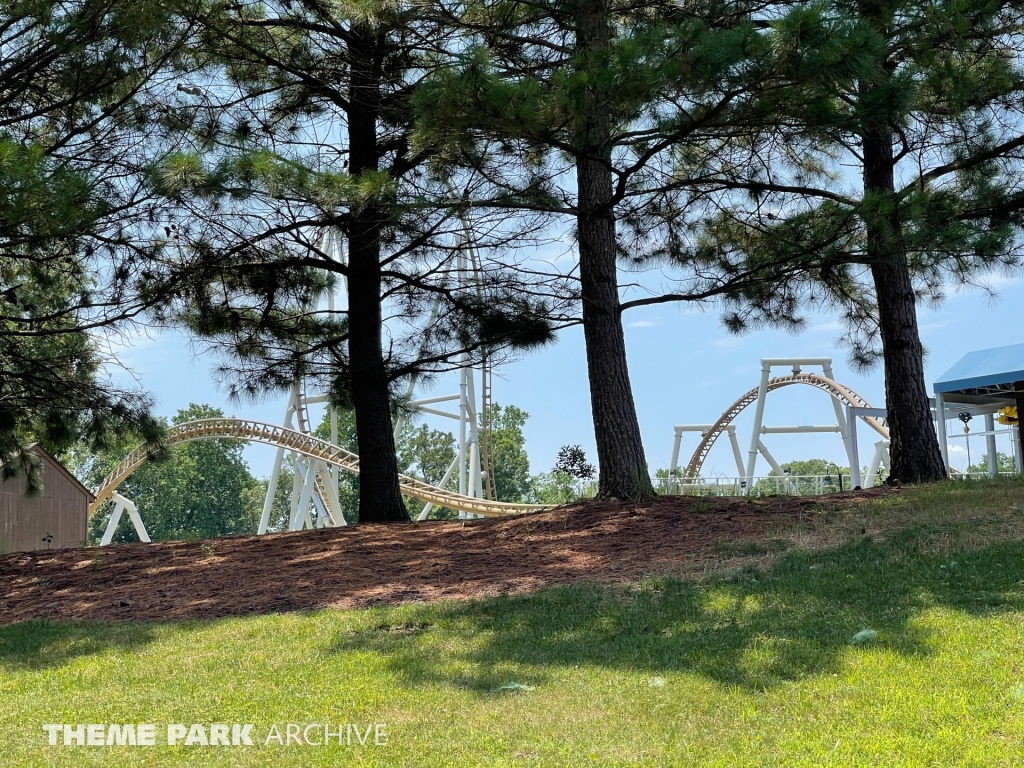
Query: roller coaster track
{"points": [[307, 445], [840, 392]]}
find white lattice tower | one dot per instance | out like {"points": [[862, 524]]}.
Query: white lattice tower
{"points": [[317, 485], [317, 464], [313, 482], [471, 460]]}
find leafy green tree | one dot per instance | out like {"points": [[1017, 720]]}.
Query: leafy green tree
{"points": [[812, 467], [554, 488], [507, 448], [281, 506], [802, 471], [1004, 463], [661, 481], [426, 453], [572, 460], [201, 489], [569, 480]]}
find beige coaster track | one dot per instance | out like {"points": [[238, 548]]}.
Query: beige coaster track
{"points": [[293, 440], [840, 392]]}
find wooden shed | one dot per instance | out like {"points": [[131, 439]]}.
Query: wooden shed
{"points": [[58, 517]]}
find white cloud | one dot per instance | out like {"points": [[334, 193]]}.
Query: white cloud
{"points": [[642, 324]]}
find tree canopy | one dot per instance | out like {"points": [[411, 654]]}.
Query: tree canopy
{"points": [[294, 131], [222, 166], [890, 169], [717, 140], [76, 242]]}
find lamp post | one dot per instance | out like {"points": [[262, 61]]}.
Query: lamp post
{"points": [[828, 476], [966, 417]]}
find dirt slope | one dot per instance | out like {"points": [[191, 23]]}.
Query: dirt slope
{"points": [[376, 564]]}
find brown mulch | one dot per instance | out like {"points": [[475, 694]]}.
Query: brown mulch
{"points": [[379, 564]]}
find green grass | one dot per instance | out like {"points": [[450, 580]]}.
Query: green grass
{"points": [[757, 668]]}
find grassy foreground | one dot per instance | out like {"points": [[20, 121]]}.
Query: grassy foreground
{"points": [[765, 666]]}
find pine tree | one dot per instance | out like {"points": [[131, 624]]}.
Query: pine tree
{"points": [[923, 100], [299, 120], [74, 237], [563, 107]]}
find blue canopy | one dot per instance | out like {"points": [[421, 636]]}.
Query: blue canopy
{"points": [[987, 372]]}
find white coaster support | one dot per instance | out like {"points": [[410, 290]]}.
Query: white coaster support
{"points": [[756, 445], [703, 429], [122, 504]]}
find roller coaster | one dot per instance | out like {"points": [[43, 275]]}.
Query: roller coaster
{"points": [[316, 461], [309, 446], [848, 407]]}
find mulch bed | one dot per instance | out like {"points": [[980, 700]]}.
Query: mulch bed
{"points": [[379, 564]]}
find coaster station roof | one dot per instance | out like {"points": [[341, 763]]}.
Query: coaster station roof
{"points": [[984, 377]]}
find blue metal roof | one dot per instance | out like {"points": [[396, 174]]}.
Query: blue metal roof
{"points": [[984, 368]]}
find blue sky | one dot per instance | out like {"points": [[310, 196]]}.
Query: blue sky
{"points": [[684, 368]]}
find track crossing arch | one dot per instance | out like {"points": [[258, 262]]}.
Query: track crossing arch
{"points": [[839, 392]]}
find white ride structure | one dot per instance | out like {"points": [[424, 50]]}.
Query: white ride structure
{"points": [[315, 484], [316, 464], [312, 448], [847, 405]]}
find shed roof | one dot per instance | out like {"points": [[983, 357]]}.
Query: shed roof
{"points": [[988, 373]]}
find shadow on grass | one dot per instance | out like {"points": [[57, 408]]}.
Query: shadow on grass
{"points": [[752, 629], [42, 644]]}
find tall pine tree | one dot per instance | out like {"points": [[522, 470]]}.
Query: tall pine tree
{"points": [[299, 122], [577, 108], [889, 169]]}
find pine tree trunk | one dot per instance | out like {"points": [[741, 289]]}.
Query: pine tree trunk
{"points": [[620, 451], [380, 499], [914, 448]]}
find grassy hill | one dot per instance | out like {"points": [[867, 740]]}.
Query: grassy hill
{"points": [[887, 634]]}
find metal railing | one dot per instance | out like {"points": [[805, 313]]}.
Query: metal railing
{"points": [[784, 485], [768, 485]]}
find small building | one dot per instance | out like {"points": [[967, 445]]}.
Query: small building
{"points": [[983, 383], [58, 517]]}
